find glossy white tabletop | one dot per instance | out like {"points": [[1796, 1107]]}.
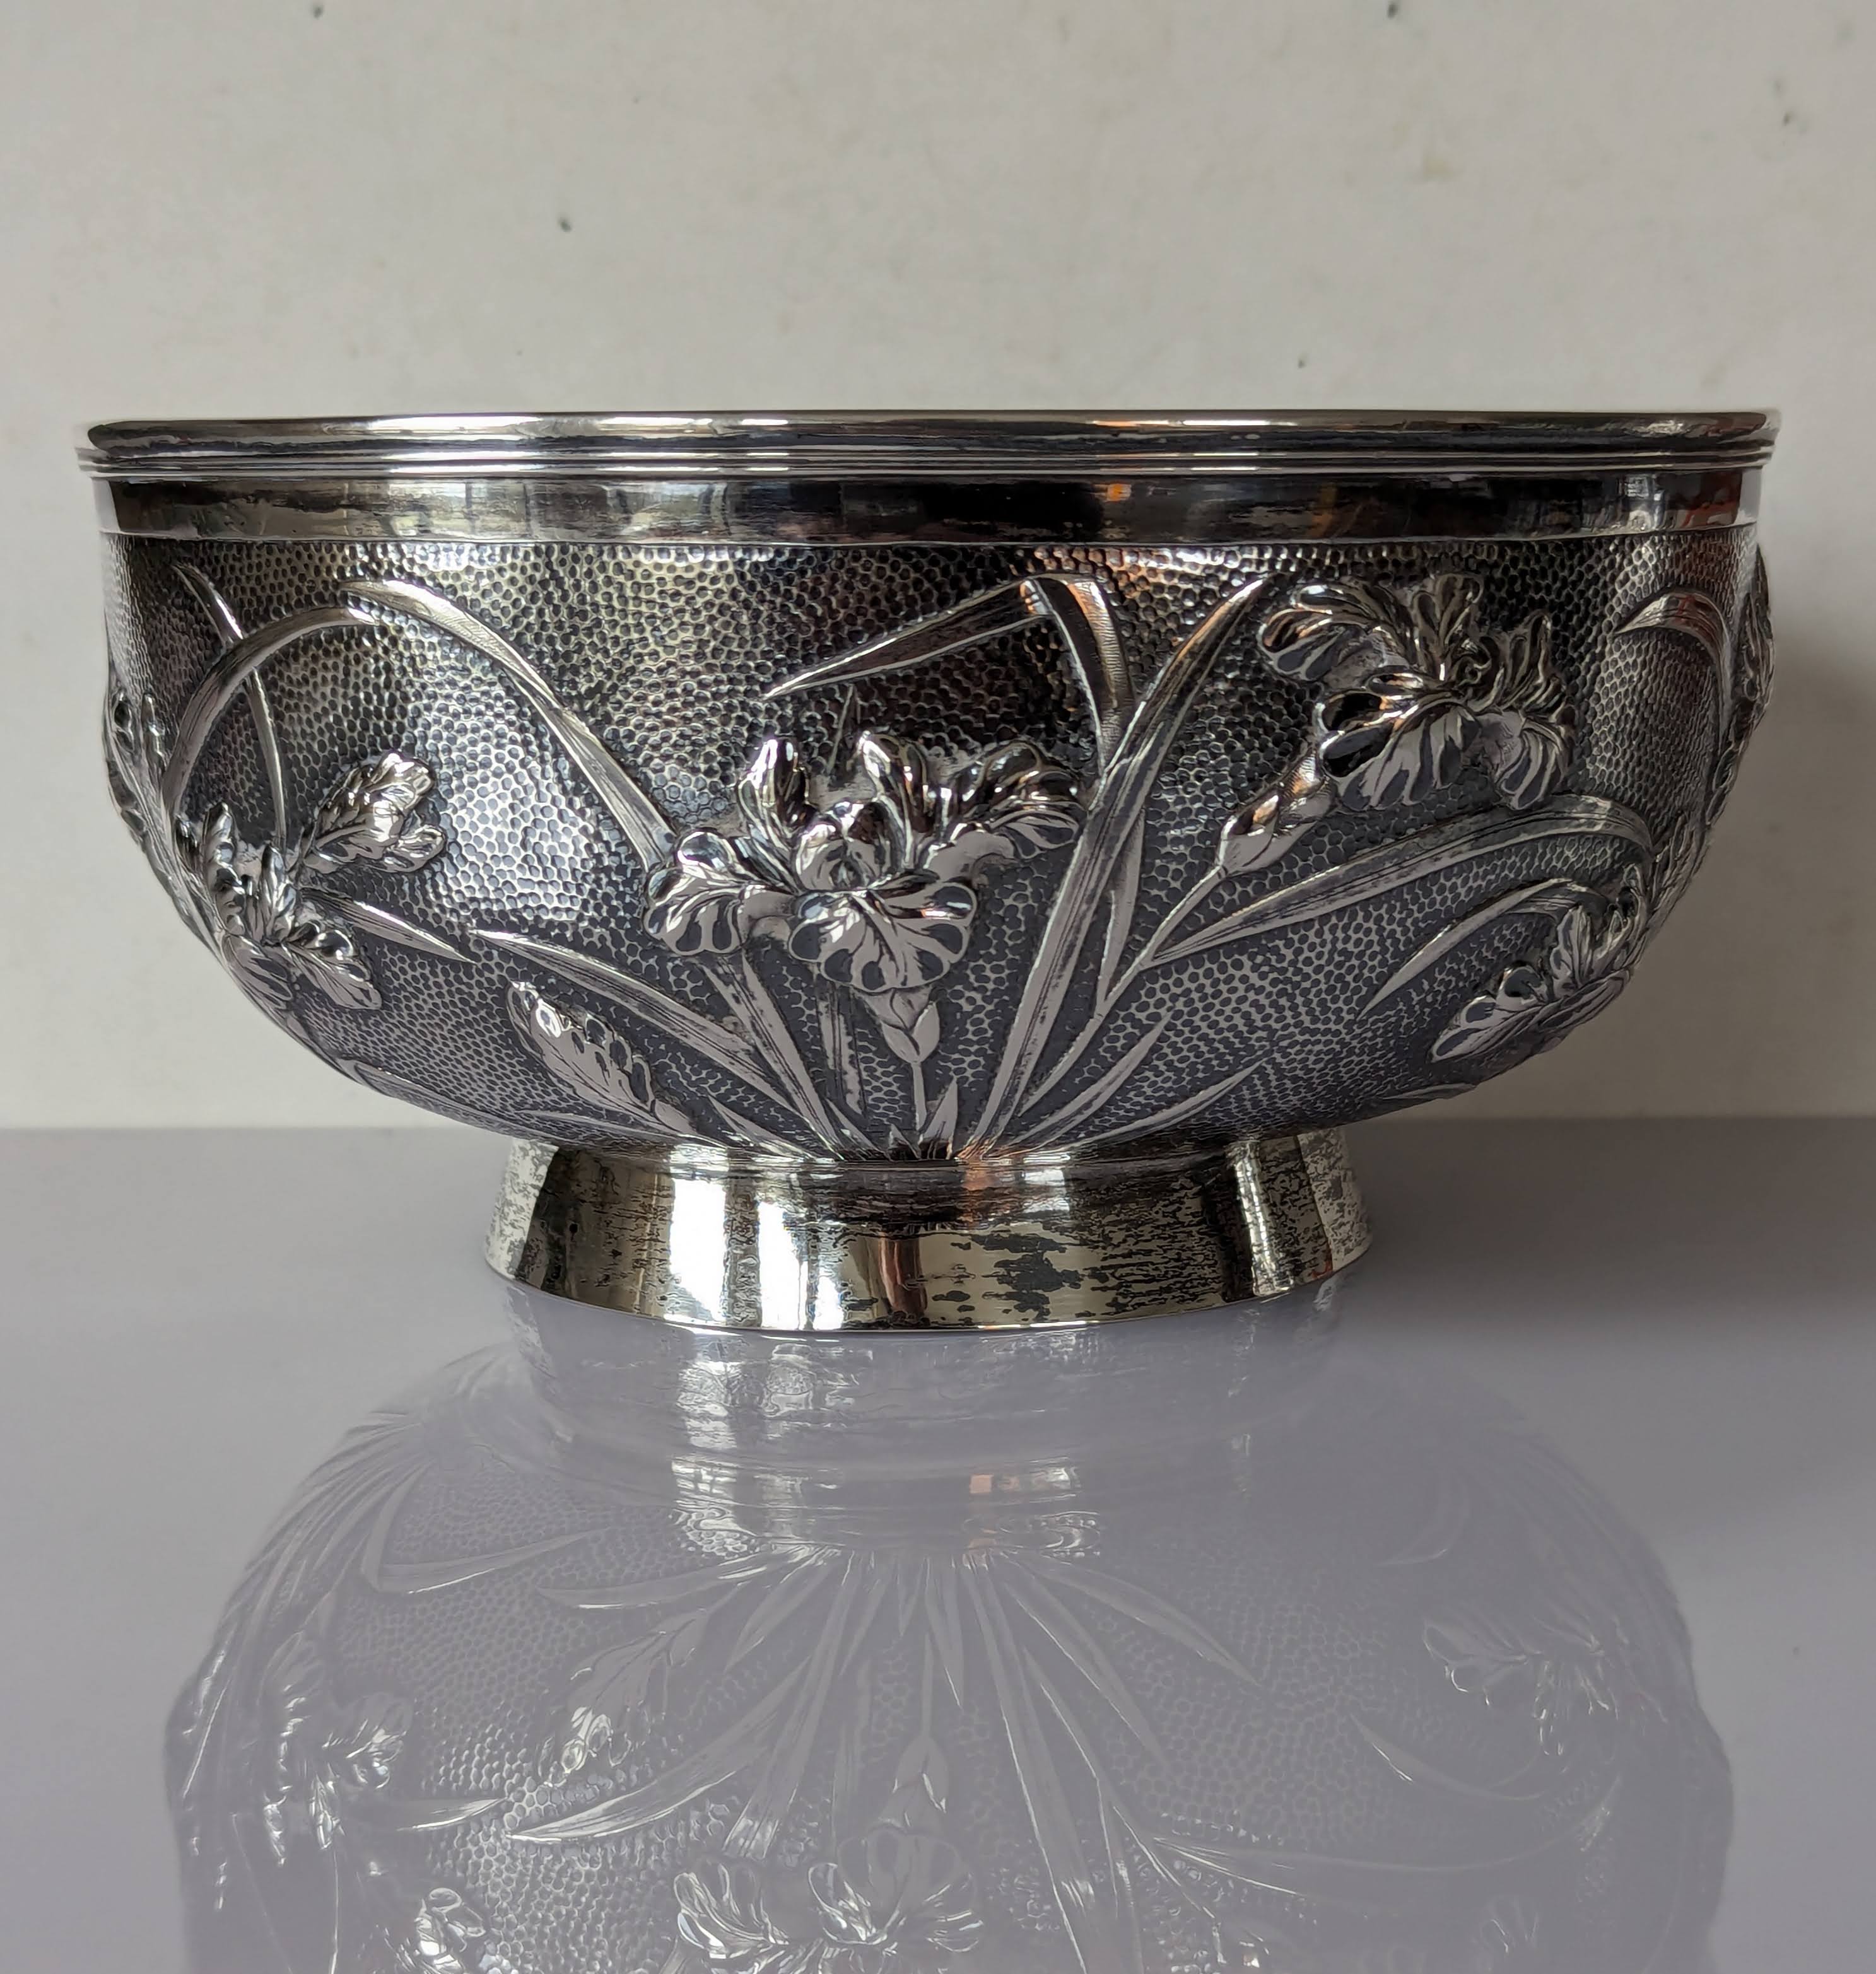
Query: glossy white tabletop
{"points": [[1685, 1311]]}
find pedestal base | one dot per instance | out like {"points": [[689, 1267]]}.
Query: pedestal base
{"points": [[704, 1238]]}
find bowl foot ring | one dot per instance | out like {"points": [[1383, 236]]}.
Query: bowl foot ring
{"points": [[718, 1241]]}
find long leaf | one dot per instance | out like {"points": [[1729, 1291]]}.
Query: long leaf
{"points": [[754, 1830], [1126, 1908], [1446, 1521], [1389, 865], [938, 1127], [1051, 1816], [1314, 1874], [946, 1622], [230, 672], [391, 1813], [848, 1751], [1173, 1113], [778, 1603], [1075, 607], [1109, 982], [1119, 803], [1692, 613], [751, 1135], [1548, 896], [412, 1579], [671, 1017], [879, 1585], [1086, 1102], [1413, 1768], [1078, 1645], [776, 1039], [661, 1590], [1114, 1809], [267, 733], [646, 827], [1122, 895], [1142, 1607], [363, 916], [974, 621]]}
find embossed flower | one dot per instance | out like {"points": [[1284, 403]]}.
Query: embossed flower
{"points": [[1533, 1005], [1522, 722], [266, 931], [370, 817], [250, 902], [1408, 692], [1396, 738], [445, 1936], [891, 936], [873, 891], [894, 1899], [1592, 951], [721, 1913], [322, 1754], [1557, 1659]]}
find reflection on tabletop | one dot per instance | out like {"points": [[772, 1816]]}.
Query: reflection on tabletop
{"points": [[1219, 1645]]}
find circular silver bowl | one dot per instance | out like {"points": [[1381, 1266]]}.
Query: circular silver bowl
{"points": [[913, 870]]}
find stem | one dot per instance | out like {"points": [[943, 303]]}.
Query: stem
{"points": [[338, 1943], [917, 1072], [836, 1041]]}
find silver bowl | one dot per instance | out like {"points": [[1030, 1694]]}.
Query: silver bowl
{"points": [[913, 870]]}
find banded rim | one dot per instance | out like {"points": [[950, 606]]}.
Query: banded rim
{"points": [[958, 445]]}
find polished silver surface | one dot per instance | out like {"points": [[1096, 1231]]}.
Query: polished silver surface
{"points": [[751, 1243], [1135, 479], [867, 848], [1141, 511], [1676, 1313], [950, 444]]}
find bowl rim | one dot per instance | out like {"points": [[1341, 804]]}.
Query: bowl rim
{"points": [[961, 444]]}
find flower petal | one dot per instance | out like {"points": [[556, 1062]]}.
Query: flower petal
{"points": [[1503, 1016], [1385, 749], [854, 844], [772, 795], [720, 1911], [263, 973], [901, 772], [708, 898], [904, 934], [326, 954], [366, 817], [1009, 803]]}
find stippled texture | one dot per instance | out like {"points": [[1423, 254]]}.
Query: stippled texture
{"points": [[666, 651]]}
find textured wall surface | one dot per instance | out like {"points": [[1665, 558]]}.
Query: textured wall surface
{"points": [[248, 207]]}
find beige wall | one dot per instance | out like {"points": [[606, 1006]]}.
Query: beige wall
{"points": [[269, 206]]}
